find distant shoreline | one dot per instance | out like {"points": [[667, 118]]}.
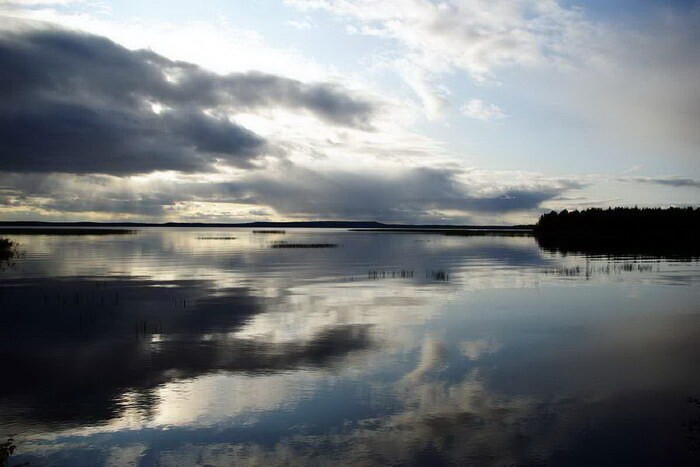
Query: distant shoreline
{"points": [[296, 224], [459, 231], [19, 230], [619, 231]]}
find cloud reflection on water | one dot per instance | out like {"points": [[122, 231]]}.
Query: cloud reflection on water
{"points": [[161, 348]]}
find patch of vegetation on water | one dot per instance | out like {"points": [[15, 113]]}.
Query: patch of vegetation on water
{"points": [[693, 426], [216, 238], [269, 232], [7, 449], [303, 245], [610, 268], [439, 275], [66, 231], [9, 250], [375, 274]]}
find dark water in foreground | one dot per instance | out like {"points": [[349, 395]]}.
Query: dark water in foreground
{"points": [[170, 347]]}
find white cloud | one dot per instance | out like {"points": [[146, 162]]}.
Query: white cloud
{"points": [[476, 108], [638, 81], [475, 37], [302, 24]]}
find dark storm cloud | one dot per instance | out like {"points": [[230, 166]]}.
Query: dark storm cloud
{"points": [[68, 193], [513, 200], [76, 138], [251, 90], [408, 196], [414, 195], [411, 196], [80, 103], [152, 205]]}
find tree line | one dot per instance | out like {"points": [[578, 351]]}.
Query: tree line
{"points": [[642, 220]]}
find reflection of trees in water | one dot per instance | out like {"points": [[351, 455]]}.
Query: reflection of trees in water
{"points": [[693, 426], [621, 247]]}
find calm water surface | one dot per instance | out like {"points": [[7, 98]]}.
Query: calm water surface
{"points": [[177, 347]]}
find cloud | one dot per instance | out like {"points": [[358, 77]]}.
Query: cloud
{"points": [[80, 103], [302, 24], [476, 108], [675, 182], [80, 139], [417, 194], [636, 79], [478, 38], [106, 116]]}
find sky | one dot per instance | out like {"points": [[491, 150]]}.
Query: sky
{"points": [[413, 111]]}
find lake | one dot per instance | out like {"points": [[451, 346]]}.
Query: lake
{"points": [[214, 347]]}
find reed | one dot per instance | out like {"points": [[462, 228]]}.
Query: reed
{"points": [[590, 269], [439, 275], [303, 245], [7, 448], [375, 274]]}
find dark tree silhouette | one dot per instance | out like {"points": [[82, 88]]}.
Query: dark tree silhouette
{"points": [[671, 232], [627, 220]]}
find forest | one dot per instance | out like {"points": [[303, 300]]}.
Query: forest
{"points": [[614, 220]]}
